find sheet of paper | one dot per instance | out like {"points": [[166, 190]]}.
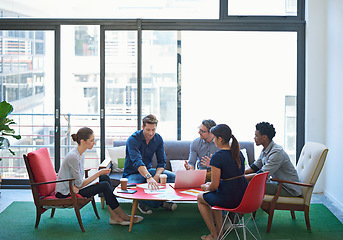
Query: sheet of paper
{"points": [[167, 196], [145, 186], [192, 192], [149, 191]]}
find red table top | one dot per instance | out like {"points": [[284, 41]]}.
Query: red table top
{"points": [[141, 195]]}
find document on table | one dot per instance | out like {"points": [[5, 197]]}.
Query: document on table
{"points": [[148, 191], [146, 186], [192, 192], [167, 194]]}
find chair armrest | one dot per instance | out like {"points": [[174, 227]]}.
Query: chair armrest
{"points": [[63, 180], [281, 182], [107, 163], [86, 172], [291, 182]]}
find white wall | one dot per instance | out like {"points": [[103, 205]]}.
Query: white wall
{"points": [[316, 58], [324, 85]]}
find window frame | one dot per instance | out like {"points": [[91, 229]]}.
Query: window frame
{"points": [[224, 23]]}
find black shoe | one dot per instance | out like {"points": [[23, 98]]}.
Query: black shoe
{"points": [[169, 206], [144, 209]]}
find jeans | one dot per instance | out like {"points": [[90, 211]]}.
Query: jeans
{"points": [[138, 178]]}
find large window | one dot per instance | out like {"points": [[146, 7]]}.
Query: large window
{"points": [[238, 78], [120, 85], [107, 66], [262, 7], [27, 82], [80, 80]]}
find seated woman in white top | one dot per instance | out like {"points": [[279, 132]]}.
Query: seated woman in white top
{"points": [[73, 167]]}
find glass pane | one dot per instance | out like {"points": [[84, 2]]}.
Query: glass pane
{"points": [[80, 88], [160, 80], [27, 82], [158, 9], [121, 85], [240, 79], [262, 7]]}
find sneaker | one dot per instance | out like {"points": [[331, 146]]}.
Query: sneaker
{"points": [[169, 206], [144, 209]]}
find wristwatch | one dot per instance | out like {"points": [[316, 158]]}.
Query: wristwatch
{"points": [[148, 176]]}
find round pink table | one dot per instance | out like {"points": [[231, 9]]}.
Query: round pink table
{"points": [[141, 195]]}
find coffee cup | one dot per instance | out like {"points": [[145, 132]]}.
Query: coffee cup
{"points": [[123, 183], [163, 179]]}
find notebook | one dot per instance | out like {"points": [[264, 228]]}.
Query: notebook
{"points": [[189, 178]]}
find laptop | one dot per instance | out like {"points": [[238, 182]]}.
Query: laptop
{"points": [[189, 178]]}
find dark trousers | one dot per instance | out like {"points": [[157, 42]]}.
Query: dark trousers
{"points": [[104, 186]]}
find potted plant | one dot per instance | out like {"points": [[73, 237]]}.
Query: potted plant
{"points": [[5, 128]]}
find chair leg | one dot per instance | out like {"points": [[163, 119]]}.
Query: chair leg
{"points": [[270, 220], [244, 229], [102, 202], [223, 234], [292, 214], [307, 217], [38, 215], [52, 212], [95, 209], [78, 215]]}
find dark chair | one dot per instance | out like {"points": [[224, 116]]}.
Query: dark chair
{"points": [[251, 201], [43, 179]]}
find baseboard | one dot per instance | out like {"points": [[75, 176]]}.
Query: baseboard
{"points": [[337, 203]]}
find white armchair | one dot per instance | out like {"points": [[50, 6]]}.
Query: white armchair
{"points": [[309, 166]]}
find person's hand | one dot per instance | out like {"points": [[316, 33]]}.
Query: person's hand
{"points": [[206, 160], [75, 189], [157, 177], [152, 184], [104, 171], [204, 187], [187, 166]]}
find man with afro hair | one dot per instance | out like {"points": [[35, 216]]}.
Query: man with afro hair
{"points": [[275, 160]]}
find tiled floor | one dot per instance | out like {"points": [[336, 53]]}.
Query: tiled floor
{"points": [[7, 196]]}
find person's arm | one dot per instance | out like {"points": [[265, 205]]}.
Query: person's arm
{"points": [[160, 155], [161, 159], [90, 179], [215, 180], [133, 146], [152, 183], [250, 171], [192, 158], [275, 159], [187, 166], [206, 160]]}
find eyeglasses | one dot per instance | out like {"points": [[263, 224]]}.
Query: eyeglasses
{"points": [[202, 131]]}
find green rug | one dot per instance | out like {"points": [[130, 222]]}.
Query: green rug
{"points": [[17, 222]]}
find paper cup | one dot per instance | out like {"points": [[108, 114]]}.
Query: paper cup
{"points": [[163, 179], [123, 183]]}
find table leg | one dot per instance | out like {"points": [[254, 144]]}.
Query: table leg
{"points": [[133, 212]]}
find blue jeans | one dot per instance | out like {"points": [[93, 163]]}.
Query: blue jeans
{"points": [[138, 178]]}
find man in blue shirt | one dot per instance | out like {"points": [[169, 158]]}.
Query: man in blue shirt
{"points": [[140, 149]]}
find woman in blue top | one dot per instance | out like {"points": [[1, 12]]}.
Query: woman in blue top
{"points": [[228, 183]]}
